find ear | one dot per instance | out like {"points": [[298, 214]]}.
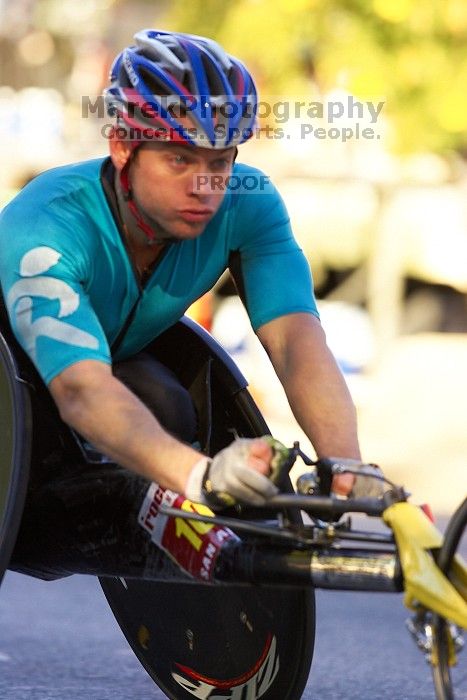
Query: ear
{"points": [[119, 151]]}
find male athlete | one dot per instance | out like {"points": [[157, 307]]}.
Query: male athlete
{"points": [[100, 257]]}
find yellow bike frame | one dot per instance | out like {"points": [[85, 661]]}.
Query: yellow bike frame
{"points": [[424, 583]]}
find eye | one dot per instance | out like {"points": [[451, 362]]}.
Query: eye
{"points": [[221, 164], [179, 159]]}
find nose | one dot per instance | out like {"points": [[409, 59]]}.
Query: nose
{"points": [[202, 183], [206, 185]]}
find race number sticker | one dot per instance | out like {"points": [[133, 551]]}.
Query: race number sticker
{"points": [[193, 545]]}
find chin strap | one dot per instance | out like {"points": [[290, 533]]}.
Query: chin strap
{"points": [[128, 197]]}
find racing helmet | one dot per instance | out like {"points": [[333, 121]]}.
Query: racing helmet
{"points": [[184, 88]]}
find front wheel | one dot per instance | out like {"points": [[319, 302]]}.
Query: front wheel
{"points": [[450, 675]]}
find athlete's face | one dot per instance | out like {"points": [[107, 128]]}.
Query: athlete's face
{"points": [[174, 185]]}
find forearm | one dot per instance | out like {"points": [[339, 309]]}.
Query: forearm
{"points": [[321, 403], [315, 387], [118, 424]]}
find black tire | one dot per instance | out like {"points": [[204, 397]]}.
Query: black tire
{"points": [[450, 680]]}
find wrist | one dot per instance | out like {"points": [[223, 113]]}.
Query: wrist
{"points": [[194, 484]]}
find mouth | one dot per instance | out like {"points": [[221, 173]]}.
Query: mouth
{"points": [[196, 215]]}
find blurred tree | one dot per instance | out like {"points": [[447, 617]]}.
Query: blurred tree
{"points": [[410, 53]]}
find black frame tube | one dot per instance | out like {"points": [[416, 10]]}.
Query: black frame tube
{"points": [[352, 569]]}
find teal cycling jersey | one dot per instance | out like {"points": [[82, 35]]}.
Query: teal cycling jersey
{"points": [[70, 287]]}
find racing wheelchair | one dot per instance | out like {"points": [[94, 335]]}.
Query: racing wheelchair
{"points": [[225, 606]]}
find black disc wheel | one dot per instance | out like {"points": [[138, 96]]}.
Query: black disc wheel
{"points": [[449, 662], [15, 447], [232, 641]]}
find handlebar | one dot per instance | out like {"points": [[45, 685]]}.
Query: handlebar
{"points": [[329, 506], [327, 553], [305, 555]]}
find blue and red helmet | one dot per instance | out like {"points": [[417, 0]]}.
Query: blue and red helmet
{"points": [[183, 88]]}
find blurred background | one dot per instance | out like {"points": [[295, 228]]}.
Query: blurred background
{"points": [[381, 214]]}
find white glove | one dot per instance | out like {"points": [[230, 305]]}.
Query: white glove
{"points": [[367, 486], [364, 486], [227, 478]]}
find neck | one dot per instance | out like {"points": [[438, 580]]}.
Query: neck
{"points": [[142, 251], [134, 234]]}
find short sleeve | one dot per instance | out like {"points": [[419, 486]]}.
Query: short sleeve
{"points": [[43, 276], [270, 270]]}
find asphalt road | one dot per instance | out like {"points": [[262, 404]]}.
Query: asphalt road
{"points": [[60, 641]]}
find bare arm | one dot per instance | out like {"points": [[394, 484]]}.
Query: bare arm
{"points": [[315, 387], [102, 409], [112, 418]]}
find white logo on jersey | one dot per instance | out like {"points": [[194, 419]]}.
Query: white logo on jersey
{"points": [[19, 301]]}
